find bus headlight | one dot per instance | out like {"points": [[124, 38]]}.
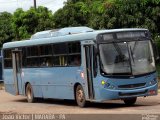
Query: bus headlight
{"points": [[103, 82], [107, 85], [154, 81]]}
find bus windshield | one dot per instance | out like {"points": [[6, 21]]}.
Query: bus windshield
{"points": [[127, 58]]}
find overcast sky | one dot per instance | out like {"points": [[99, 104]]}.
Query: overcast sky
{"points": [[12, 5]]}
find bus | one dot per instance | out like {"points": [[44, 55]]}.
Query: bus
{"points": [[82, 64]]}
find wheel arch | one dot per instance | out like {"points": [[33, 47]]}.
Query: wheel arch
{"points": [[75, 86], [25, 87]]}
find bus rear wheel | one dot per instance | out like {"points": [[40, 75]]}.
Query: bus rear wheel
{"points": [[29, 93], [80, 96], [130, 101]]}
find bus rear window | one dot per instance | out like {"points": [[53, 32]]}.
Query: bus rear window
{"points": [[8, 58]]}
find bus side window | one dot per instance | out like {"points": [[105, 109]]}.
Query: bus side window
{"points": [[45, 55], [74, 60], [74, 54], [60, 60], [46, 62], [60, 53], [32, 56], [7, 58]]}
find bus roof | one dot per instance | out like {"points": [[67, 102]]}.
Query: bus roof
{"points": [[66, 38], [61, 32]]}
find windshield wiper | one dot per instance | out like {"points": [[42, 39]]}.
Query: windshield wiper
{"points": [[132, 54], [135, 45], [117, 48], [120, 57]]}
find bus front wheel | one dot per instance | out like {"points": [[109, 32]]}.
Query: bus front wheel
{"points": [[80, 96], [130, 101], [29, 93]]}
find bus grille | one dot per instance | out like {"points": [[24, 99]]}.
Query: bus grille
{"points": [[132, 94], [132, 86]]}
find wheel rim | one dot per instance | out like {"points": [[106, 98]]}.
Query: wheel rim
{"points": [[80, 95], [29, 93]]}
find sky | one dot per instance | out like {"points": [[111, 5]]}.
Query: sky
{"points": [[12, 5]]}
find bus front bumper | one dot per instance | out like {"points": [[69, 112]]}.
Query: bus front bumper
{"points": [[110, 94]]}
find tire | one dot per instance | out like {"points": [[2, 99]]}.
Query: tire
{"points": [[29, 93], [80, 96], [130, 101]]}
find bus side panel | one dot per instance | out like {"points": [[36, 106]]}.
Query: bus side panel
{"points": [[58, 82], [47, 83], [32, 76], [67, 78], [9, 81]]}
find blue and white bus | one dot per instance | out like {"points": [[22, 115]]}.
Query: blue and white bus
{"points": [[82, 64]]}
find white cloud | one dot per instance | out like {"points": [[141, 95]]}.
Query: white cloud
{"points": [[12, 5]]}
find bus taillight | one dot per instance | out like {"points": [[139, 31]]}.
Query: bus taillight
{"points": [[82, 75]]}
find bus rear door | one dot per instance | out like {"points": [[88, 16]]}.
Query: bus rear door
{"points": [[17, 70]]}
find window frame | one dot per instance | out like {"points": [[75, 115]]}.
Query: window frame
{"points": [[26, 56], [6, 58]]}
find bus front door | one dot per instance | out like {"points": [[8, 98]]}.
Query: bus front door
{"points": [[17, 70], [89, 60]]}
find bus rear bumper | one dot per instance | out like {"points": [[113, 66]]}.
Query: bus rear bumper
{"points": [[110, 94]]}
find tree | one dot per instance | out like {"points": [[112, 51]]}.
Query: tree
{"points": [[6, 31], [27, 23], [111, 14], [70, 15], [45, 19], [20, 24]]}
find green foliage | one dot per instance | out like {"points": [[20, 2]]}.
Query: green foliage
{"points": [[6, 31], [45, 19], [100, 14], [110, 14], [71, 15], [97, 14], [31, 21], [23, 24]]}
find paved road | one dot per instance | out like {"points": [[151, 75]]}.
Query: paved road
{"points": [[18, 104]]}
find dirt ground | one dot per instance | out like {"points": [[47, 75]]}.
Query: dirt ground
{"points": [[18, 104]]}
